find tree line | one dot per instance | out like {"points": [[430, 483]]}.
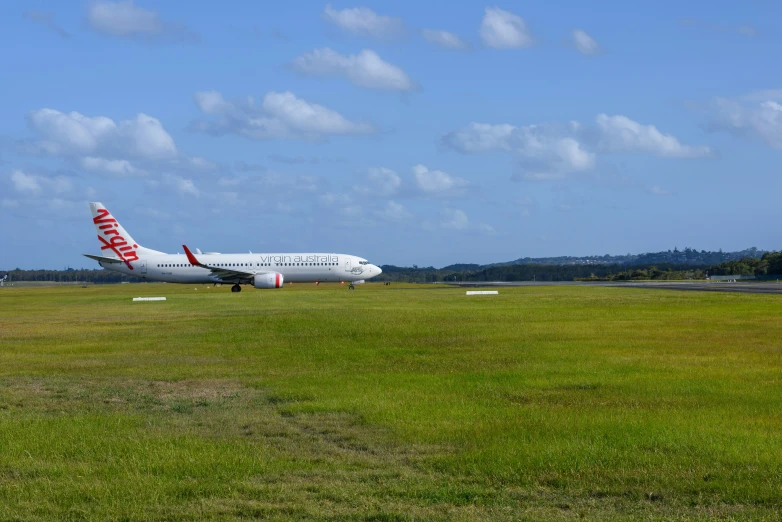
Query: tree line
{"points": [[69, 275], [769, 264]]}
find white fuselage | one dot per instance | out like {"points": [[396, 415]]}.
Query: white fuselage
{"points": [[296, 268]]}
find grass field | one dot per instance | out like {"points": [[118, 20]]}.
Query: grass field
{"points": [[389, 403]]}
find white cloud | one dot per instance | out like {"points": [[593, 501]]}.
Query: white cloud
{"points": [[71, 132], [394, 212], [299, 115], [552, 156], [211, 102], [757, 113], [436, 181], [382, 181], [487, 229], [763, 95], [124, 19], [230, 199], [59, 184], [622, 135], [114, 167], [182, 185], [455, 219], [74, 134], [147, 138], [584, 43], [25, 183], [503, 30], [554, 151], [480, 137], [230, 182], [386, 179], [201, 163], [657, 190], [331, 198], [545, 152], [308, 184], [35, 185], [363, 21], [351, 211], [365, 69], [280, 115], [444, 39]]}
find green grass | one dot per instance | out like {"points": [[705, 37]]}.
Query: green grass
{"points": [[389, 403]]}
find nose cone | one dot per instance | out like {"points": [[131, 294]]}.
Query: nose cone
{"points": [[376, 270]]}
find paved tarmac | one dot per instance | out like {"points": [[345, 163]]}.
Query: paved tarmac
{"points": [[761, 287], [764, 287]]}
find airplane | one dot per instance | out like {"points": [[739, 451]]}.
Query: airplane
{"points": [[121, 253]]}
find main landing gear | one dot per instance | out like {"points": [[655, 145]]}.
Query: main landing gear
{"points": [[236, 288]]}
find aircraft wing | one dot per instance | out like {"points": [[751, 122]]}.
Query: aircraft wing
{"points": [[102, 259], [224, 273]]}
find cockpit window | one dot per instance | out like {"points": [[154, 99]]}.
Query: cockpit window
{"points": [[363, 262]]}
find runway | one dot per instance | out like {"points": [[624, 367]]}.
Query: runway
{"points": [[764, 287]]}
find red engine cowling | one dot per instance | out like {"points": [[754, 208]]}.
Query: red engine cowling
{"points": [[270, 280]]}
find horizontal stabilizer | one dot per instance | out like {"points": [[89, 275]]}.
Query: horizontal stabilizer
{"points": [[103, 259]]}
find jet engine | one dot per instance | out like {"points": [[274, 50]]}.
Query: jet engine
{"points": [[269, 280]]}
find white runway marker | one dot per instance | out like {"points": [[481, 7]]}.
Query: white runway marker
{"points": [[149, 298], [483, 292]]}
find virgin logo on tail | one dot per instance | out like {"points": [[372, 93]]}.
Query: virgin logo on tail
{"points": [[113, 240]]}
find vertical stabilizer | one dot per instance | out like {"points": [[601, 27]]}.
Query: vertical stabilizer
{"points": [[114, 239]]}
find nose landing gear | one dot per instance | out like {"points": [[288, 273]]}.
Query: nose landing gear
{"points": [[236, 288], [352, 287]]}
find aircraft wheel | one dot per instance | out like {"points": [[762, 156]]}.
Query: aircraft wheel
{"points": [[352, 287], [236, 288]]}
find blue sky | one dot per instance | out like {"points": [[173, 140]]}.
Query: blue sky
{"points": [[421, 133]]}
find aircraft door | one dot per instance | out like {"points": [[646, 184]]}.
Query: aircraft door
{"points": [[143, 266], [347, 265]]}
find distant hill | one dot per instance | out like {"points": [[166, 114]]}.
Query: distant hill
{"points": [[688, 256], [461, 267], [673, 264]]}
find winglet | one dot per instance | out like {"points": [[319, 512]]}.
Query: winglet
{"points": [[190, 257]]}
